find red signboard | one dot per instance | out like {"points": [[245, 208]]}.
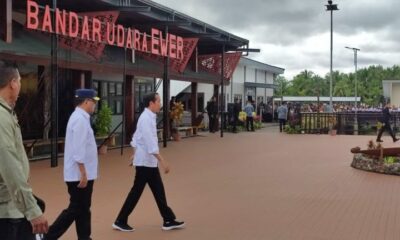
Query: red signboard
{"points": [[212, 63], [89, 27], [91, 48], [178, 65], [189, 44]]}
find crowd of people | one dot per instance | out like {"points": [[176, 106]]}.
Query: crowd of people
{"points": [[339, 107]]}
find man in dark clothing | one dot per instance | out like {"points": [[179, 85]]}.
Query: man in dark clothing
{"points": [[236, 111], [386, 124], [212, 110]]}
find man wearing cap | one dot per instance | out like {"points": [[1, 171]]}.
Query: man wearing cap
{"points": [[20, 216], [80, 168]]}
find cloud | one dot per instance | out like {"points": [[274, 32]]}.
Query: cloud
{"points": [[295, 34]]}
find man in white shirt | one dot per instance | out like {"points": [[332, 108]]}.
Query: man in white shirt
{"points": [[80, 168], [146, 159]]}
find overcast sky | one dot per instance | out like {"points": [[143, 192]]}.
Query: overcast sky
{"points": [[295, 34]]}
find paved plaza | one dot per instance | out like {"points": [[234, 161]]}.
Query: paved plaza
{"points": [[247, 186]]}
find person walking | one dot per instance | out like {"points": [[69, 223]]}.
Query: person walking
{"points": [[20, 215], [235, 113], [386, 124], [212, 111], [80, 168], [282, 112], [146, 159], [249, 109]]}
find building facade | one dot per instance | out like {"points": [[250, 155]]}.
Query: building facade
{"points": [[123, 49], [251, 79]]}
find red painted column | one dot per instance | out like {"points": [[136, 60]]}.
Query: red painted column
{"points": [[194, 106], [6, 20], [216, 95], [129, 108]]}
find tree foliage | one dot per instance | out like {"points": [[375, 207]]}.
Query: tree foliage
{"points": [[369, 81]]}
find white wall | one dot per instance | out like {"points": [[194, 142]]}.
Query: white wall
{"points": [[260, 76], [207, 89], [176, 87], [395, 98], [270, 78], [236, 85], [250, 74]]}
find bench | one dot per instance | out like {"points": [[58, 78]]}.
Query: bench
{"points": [[60, 144], [40, 142], [188, 130]]}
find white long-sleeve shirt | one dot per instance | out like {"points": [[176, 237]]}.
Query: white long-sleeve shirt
{"points": [[80, 147], [145, 140]]}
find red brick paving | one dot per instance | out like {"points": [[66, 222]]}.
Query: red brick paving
{"points": [[262, 185]]}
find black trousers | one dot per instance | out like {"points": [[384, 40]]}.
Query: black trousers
{"points": [[386, 127], [78, 211], [249, 121], [143, 176], [211, 123], [16, 229], [234, 124], [282, 124]]}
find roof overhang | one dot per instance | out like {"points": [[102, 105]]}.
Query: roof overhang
{"points": [[259, 85]]}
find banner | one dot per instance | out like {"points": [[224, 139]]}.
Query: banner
{"points": [[91, 48], [212, 63], [177, 65]]}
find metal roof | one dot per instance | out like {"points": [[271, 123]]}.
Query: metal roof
{"points": [[145, 14], [260, 66]]}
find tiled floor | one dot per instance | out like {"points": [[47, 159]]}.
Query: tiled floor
{"points": [[261, 185]]}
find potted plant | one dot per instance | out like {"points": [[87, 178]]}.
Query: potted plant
{"points": [[332, 125], [103, 125], [176, 115]]}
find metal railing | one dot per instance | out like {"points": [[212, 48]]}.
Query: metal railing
{"points": [[344, 122]]}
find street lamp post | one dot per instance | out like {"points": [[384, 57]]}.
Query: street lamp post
{"points": [[355, 50], [331, 7]]}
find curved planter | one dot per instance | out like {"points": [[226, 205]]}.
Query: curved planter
{"points": [[366, 163]]}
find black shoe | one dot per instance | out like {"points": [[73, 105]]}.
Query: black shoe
{"points": [[378, 140], [123, 227], [169, 225], [395, 140]]}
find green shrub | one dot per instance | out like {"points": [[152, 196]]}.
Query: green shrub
{"points": [[292, 130], [103, 120], [389, 160]]}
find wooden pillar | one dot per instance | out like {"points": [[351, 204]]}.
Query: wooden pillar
{"points": [[216, 95], [194, 106], [222, 102], [6, 20], [195, 60], [166, 93], [129, 108], [88, 79], [82, 79]]}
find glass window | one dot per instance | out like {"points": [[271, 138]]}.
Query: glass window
{"points": [[239, 97], [111, 104], [104, 89], [149, 88], [119, 89], [111, 89], [95, 86], [118, 107]]}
